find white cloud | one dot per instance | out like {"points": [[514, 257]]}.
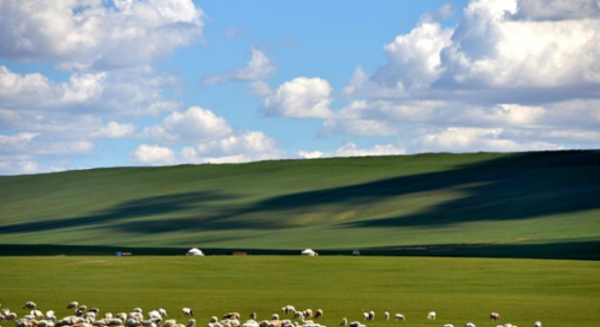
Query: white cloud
{"points": [[357, 127], [414, 58], [301, 97], [193, 125], [153, 155], [502, 51], [115, 130], [250, 142], [259, 67], [356, 82], [82, 34], [352, 150], [458, 139], [556, 10]]}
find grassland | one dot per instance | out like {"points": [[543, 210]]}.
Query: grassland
{"points": [[559, 293], [537, 204]]}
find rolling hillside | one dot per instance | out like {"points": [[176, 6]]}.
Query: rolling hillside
{"points": [[534, 204]]}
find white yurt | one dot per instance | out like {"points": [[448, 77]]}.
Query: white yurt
{"points": [[310, 253], [195, 253]]}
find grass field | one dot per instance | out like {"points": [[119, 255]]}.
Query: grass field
{"points": [[559, 293], [536, 204]]}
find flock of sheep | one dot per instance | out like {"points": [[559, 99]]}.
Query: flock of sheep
{"points": [[84, 317]]}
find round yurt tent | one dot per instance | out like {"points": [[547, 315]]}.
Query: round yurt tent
{"points": [[310, 253], [195, 253]]}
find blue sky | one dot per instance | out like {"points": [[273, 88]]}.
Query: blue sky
{"points": [[92, 83]]}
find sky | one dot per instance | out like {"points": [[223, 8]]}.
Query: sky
{"points": [[109, 83]]}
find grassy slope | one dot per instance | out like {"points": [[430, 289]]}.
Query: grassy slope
{"points": [[559, 293], [526, 200]]}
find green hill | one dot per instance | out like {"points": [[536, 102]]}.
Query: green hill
{"points": [[534, 204]]}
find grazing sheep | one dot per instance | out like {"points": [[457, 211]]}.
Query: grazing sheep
{"points": [[169, 323], [82, 307], [538, 324], [10, 316], [344, 322], [37, 314], [263, 323], [448, 325], [399, 316], [356, 324], [155, 315], [29, 305], [132, 322], [72, 305], [253, 316], [163, 312], [288, 309], [139, 310], [308, 313], [318, 313], [187, 312], [469, 324], [431, 315], [250, 323], [299, 315], [231, 315], [365, 316], [495, 316], [371, 315], [386, 316]]}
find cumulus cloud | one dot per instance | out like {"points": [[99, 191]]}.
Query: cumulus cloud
{"points": [[115, 130], [301, 97], [199, 136], [357, 127], [193, 125], [555, 10], [414, 59], [522, 52], [81, 34], [461, 139], [352, 150], [153, 155], [259, 67]]}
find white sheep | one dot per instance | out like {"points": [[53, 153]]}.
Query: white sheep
{"points": [[495, 316], [253, 316], [29, 305], [163, 312], [299, 315], [344, 322], [371, 315], [469, 324], [356, 324], [169, 323], [72, 305], [288, 309], [187, 312], [448, 325], [399, 316], [386, 316], [308, 313], [250, 323], [538, 324], [37, 314], [431, 315], [318, 313]]}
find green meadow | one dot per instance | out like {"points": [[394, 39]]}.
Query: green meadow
{"points": [[459, 290], [534, 204]]}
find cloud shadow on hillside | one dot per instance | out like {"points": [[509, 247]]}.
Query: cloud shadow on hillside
{"points": [[517, 186]]}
